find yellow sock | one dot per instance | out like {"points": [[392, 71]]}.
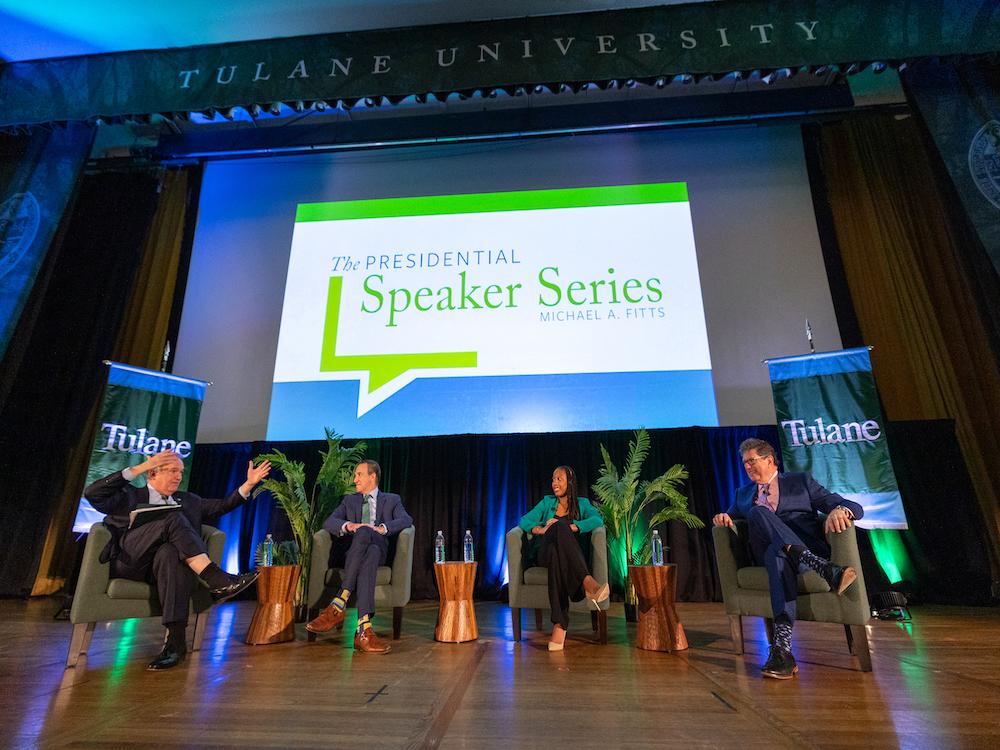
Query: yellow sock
{"points": [[340, 600]]}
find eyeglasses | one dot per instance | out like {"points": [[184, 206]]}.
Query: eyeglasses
{"points": [[751, 461]]}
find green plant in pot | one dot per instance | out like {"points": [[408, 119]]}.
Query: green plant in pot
{"points": [[307, 509], [626, 500]]}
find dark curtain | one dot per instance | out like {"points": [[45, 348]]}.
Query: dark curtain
{"points": [[58, 377], [486, 482], [915, 296]]}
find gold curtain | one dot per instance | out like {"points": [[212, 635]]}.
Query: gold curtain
{"points": [[140, 342], [911, 293]]}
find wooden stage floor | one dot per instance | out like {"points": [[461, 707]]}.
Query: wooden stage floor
{"points": [[936, 684]]}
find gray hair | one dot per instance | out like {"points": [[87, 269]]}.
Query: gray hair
{"points": [[763, 448]]}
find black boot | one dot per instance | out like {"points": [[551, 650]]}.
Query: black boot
{"points": [[780, 664], [174, 649]]}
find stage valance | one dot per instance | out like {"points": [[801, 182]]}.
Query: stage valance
{"points": [[650, 45]]}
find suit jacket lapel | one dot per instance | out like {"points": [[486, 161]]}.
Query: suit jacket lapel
{"points": [[379, 507]]}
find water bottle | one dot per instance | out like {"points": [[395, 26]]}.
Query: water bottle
{"points": [[467, 547], [439, 547], [269, 550], [656, 544]]}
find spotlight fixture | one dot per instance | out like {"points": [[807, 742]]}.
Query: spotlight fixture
{"points": [[879, 67], [661, 82]]}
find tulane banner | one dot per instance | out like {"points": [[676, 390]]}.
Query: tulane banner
{"points": [[624, 44], [830, 424], [144, 412]]}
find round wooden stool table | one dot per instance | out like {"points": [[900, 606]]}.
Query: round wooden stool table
{"points": [[274, 619], [456, 615], [659, 627]]}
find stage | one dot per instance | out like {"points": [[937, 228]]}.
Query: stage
{"points": [[935, 684]]}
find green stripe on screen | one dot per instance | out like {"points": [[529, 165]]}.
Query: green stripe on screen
{"points": [[474, 203]]}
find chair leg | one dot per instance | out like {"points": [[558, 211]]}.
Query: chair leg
{"points": [[200, 625], [515, 622], [397, 622], [76, 642], [310, 637], [736, 633], [593, 620], [602, 622], [860, 639], [538, 619], [89, 636], [769, 629], [850, 640]]}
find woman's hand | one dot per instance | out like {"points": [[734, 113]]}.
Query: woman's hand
{"points": [[574, 528]]}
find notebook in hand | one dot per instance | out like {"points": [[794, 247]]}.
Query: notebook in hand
{"points": [[148, 513]]}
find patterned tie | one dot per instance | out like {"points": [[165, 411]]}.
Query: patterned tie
{"points": [[366, 511], [765, 491]]}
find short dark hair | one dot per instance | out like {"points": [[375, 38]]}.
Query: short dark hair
{"points": [[763, 448], [373, 468]]}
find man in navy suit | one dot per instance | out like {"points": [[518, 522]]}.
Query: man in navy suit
{"points": [[372, 517], [787, 536], [169, 550]]}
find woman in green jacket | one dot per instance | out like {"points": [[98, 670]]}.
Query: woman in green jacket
{"points": [[556, 521]]}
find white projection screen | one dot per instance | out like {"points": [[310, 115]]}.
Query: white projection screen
{"points": [[534, 285]]}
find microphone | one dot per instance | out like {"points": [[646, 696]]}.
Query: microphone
{"points": [[809, 337]]}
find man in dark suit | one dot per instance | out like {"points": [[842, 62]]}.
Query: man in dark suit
{"points": [[787, 536], [372, 517], [169, 550]]}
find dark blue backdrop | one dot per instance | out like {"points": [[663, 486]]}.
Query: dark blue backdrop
{"points": [[486, 482]]}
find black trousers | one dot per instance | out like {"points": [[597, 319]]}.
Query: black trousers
{"points": [[368, 550], [155, 553], [560, 552]]}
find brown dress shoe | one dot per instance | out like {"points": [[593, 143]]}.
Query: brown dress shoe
{"points": [[370, 643], [331, 617]]}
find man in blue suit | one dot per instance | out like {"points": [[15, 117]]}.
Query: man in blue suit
{"points": [[372, 517], [787, 536]]}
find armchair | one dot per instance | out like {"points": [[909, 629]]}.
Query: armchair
{"points": [[745, 590], [392, 582], [529, 589], [99, 597]]}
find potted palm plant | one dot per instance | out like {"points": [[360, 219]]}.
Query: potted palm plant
{"points": [[307, 509], [625, 500]]}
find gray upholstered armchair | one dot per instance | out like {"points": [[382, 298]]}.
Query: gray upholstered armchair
{"points": [[99, 597], [392, 583], [745, 590], [529, 589]]}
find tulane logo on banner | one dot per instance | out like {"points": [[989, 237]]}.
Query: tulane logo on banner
{"points": [[831, 425], [144, 412]]}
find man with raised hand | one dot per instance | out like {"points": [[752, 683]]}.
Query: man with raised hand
{"points": [[168, 550], [371, 517], [785, 514]]}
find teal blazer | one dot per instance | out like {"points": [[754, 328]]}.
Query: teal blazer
{"points": [[589, 519]]}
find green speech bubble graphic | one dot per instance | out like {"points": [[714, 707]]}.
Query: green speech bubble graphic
{"points": [[381, 368]]}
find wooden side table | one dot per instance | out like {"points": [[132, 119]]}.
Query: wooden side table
{"points": [[659, 627], [456, 615], [274, 619]]}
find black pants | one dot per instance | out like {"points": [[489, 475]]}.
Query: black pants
{"points": [[155, 553], [368, 551], [560, 552]]}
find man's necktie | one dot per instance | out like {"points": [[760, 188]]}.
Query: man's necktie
{"points": [[765, 491], [366, 511]]}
